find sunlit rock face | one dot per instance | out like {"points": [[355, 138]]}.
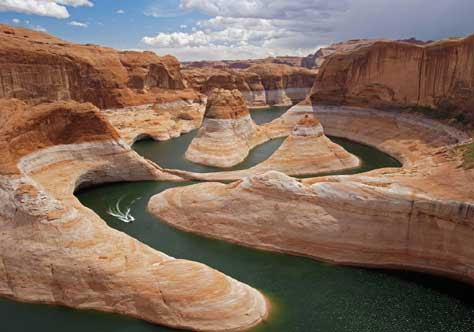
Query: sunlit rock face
{"points": [[170, 116], [417, 217], [264, 84], [402, 74], [142, 94], [54, 250], [316, 60], [227, 133], [35, 66], [306, 151]]}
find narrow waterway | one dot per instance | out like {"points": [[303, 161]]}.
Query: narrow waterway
{"points": [[307, 296], [170, 154]]}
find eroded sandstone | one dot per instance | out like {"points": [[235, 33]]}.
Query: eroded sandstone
{"points": [[170, 116], [390, 74], [418, 217], [227, 133], [35, 67], [54, 250], [261, 84]]}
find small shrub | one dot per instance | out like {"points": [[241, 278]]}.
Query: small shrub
{"points": [[468, 156]]}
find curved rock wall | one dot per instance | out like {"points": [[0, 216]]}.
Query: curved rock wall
{"points": [[167, 118], [394, 74], [418, 217], [54, 250]]}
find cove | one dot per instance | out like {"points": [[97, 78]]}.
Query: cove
{"points": [[170, 153], [306, 295]]}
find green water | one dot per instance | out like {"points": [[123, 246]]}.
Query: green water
{"points": [[170, 154], [161, 152], [264, 115], [307, 296]]}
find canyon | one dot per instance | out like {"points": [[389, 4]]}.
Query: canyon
{"points": [[417, 217], [228, 133], [70, 113], [54, 250]]}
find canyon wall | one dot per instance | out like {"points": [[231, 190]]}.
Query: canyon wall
{"points": [[243, 64], [316, 60], [389, 74], [54, 250], [261, 84], [35, 67], [417, 217]]}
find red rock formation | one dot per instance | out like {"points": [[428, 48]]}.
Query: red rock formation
{"points": [[399, 74], [315, 61], [54, 250], [36, 66], [243, 64], [261, 84], [24, 131], [227, 133], [225, 104], [283, 84], [418, 217]]}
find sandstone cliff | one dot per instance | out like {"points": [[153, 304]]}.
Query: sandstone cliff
{"points": [[35, 66], [418, 217], [400, 74], [243, 64], [54, 250], [316, 60], [260, 84], [227, 133], [171, 115]]}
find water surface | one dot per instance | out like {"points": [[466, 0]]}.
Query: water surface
{"points": [[170, 153]]}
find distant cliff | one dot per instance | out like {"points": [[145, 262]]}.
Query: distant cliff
{"points": [[438, 75], [260, 84], [316, 60], [243, 64], [35, 66]]}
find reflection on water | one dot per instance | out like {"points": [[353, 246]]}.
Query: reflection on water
{"points": [[307, 296]]}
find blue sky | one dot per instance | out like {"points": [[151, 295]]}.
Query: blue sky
{"points": [[229, 29], [107, 27]]}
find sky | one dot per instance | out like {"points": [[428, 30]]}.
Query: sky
{"points": [[230, 29]]}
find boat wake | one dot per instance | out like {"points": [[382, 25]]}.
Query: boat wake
{"points": [[123, 215]]}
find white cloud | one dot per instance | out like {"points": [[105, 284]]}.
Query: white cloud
{"points": [[74, 3], [183, 26], [51, 8], [260, 28], [78, 24], [159, 10], [120, 11], [250, 28], [16, 21], [271, 9], [220, 52], [39, 28]]}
